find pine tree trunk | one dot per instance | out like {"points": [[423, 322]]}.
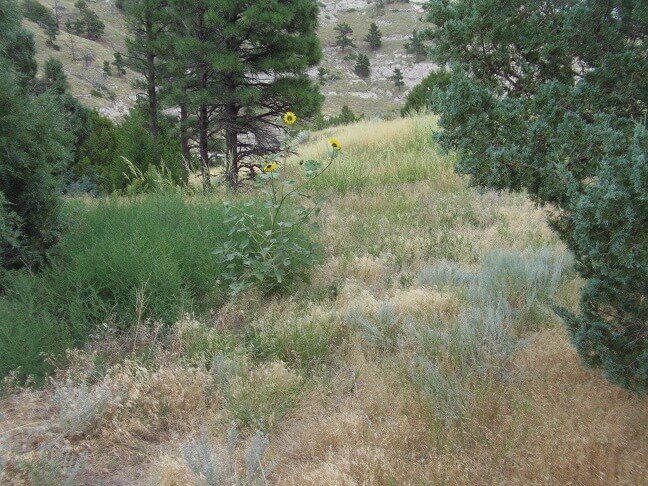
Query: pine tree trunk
{"points": [[184, 140], [231, 149], [203, 142], [152, 95]]}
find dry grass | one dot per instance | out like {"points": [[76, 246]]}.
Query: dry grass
{"points": [[532, 415], [556, 423]]}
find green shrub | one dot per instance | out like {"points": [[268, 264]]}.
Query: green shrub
{"points": [[98, 150], [35, 147], [119, 262], [302, 345], [134, 144], [424, 95], [277, 250], [540, 107], [38, 13], [611, 232], [267, 255]]}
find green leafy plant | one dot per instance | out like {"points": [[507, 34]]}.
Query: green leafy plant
{"points": [[274, 251]]}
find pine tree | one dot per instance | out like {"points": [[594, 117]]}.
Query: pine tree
{"points": [[94, 26], [52, 30], [416, 46], [106, 68], [35, 147], [397, 78], [344, 33], [322, 72], [374, 37], [88, 24], [147, 22], [76, 117], [54, 78], [555, 105], [17, 44], [362, 67], [119, 64], [43, 16], [245, 64]]}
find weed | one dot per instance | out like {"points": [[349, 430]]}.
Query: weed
{"points": [[379, 331], [264, 396], [225, 369], [80, 408], [448, 394], [51, 466], [217, 468], [121, 262], [302, 344], [445, 274]]}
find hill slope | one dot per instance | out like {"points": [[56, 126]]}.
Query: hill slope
{"points": [[424, 351], [83, 59]]}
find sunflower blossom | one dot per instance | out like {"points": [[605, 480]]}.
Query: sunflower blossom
{"points": [[269, 167], [289, 117], [335, 144]]}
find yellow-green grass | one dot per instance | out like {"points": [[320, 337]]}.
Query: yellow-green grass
{"points": [[424, 351]]}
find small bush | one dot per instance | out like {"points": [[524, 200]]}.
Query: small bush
{"points": [[380, 331], [523, 279], [273, 252], [38, 13], [80, 408], [264, 396], [302, 345], [424, 95], [219, 468], [121, 261], [445, 274]]}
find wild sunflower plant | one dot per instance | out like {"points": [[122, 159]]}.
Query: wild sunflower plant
{"points": [[273, 248]]}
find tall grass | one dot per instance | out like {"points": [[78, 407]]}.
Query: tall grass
{"points": [[379, 154], [122, 262]]}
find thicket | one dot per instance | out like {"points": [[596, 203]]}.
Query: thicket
{"points": [[552, 99], [424, 95], [35, 149], [87, 24], [110, 152], [345, 117], [119, 262], [362, 66]]}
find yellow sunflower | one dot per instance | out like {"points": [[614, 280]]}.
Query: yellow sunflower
{"points": [[289, 117], [335, 145], [269, 167]]}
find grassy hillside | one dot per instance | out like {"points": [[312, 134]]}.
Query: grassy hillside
{"points": [[83, 59], [424, 351], [374, 96]]}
